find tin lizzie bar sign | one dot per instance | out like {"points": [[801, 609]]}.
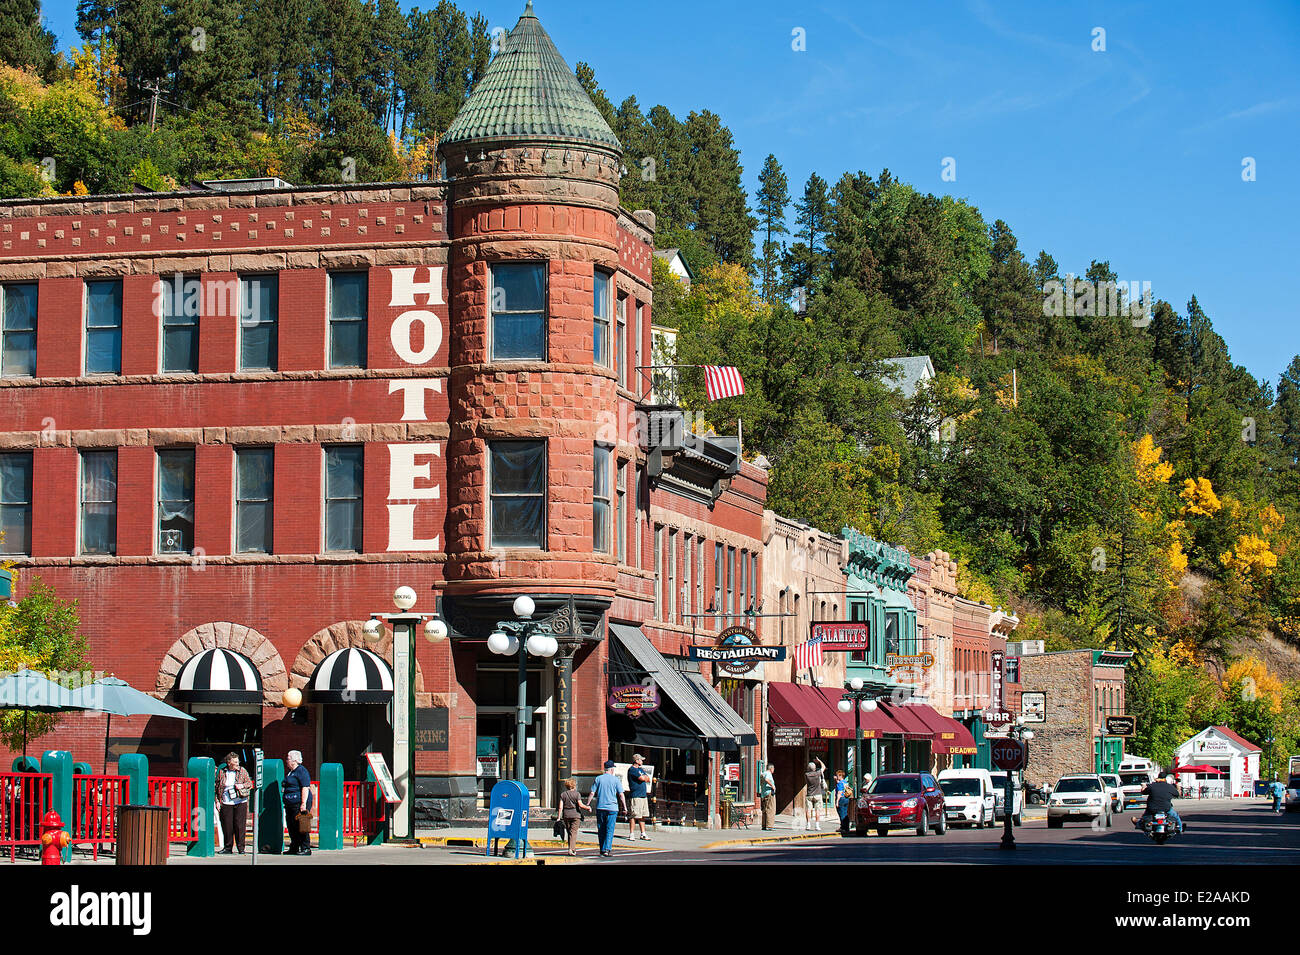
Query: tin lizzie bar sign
{"points": [[842, 635]]}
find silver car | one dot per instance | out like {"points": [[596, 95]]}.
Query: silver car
{"points": [[1079, 797]]}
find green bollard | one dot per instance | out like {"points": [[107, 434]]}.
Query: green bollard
{"points": [[202, 823], [82, 769], [58, 763], [25, 764], [270, 816], [135, 767], [331, 806]]}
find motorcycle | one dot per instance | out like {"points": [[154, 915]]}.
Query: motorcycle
{"points": [[1159, 827]]}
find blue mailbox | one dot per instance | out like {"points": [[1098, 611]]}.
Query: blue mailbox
{"points": [[508, 817]]}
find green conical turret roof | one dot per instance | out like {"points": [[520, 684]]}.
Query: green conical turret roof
{"points": [[529, 93]]}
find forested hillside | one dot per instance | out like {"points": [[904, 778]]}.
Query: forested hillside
{"points": [[1097, 464]]}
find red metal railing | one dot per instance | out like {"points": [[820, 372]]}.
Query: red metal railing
{"points": [[94, 809], [179, 795], [24, 799], [362, 811]]}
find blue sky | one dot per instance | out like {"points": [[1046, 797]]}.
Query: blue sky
{"points": [[1133, 154]]}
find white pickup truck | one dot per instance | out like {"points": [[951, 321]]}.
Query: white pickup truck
{"points": [[1000, 795], [1134, 775]]}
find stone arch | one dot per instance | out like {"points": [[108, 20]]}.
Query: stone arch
{"points": [[227, 636], [348, 633]]}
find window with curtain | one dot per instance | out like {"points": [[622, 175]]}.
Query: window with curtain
{"points": [[672, 574], [18, 339], [259, 311], [348, 291], [688, 554], [176, 501], [659, 572], [893, 631], [104, 328], [99, 502], [717, 582], [254, 500], [620, 512], [699, 575], [180, 325], [620, 341], [517, 495], [16, 502], [518, 310], [731, 583], [343, 497], [601, 308], [600, 506]]}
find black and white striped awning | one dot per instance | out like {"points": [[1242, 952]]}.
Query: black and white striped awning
{"points": [[219, 676], [351, 675]]}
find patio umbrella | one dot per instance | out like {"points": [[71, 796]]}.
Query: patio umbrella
{"points": [[116, 697], [1209, 770], [28, 690]]}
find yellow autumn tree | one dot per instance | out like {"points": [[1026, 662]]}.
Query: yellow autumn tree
{"points": [[1250, 677], [1146, 461], [1199, 498]]}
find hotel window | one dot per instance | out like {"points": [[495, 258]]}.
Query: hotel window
{"points": [[717, 583], [731, 583], [16, 502], [637, 371], [254, 500], [699, 575], [18, 346], [517, 496], [99, 502], [343, 483], [855, 613], [258, 322], [672, 574], [348, 319], [176, 501], [104, 328], [180, 324], [893, 621], [639, 560], [620, 341], [600, 506], [601, 307], [518, 310], [620, 513], [688, 554], [659, 576]]}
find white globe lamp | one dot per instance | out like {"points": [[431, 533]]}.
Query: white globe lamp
{"points": [[372, 630], [855, 684], [292, 698], [844, 706], [868, 706], [524, 607], [435, 630], [499, 643], [404, 598]]}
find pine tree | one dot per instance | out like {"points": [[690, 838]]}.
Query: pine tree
{"points": [[720, 205], [24, 41], [1288, 413], [807, 258], [772, 197]]}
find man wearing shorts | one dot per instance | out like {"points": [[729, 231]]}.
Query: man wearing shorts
{"points": [[816, 790], [638, 783]]}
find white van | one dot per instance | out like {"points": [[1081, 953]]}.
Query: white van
{"points": [[1135, 773], [968, 797]]}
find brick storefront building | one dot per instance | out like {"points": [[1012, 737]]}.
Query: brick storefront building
{"points": [[237, 419]]}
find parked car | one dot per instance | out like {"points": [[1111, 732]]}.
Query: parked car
{"points": [[1078, 797], [1113, 787], [1131, 784], [967, 797], [1292, 800], [903, 801], [999, 778]]}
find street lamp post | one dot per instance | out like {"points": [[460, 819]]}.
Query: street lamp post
{"points": [[404, 624], [519, 636], [1018, 732], [860, 701]]}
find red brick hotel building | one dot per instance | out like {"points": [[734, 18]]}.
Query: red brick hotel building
{"points": [[238, 418]]}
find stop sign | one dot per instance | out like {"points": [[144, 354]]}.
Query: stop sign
{"points": [[1008, 754]]}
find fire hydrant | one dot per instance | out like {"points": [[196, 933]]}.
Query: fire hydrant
{"points": [[54, 839]]}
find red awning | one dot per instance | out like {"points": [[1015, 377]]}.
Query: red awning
{"points": [[793, 704], [905, 716], [843, 721], [954, 739]]}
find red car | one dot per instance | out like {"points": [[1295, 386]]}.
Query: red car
{"points": [[902, 801]]}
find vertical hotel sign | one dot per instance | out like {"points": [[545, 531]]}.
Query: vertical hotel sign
{"points": [[564, 714]]}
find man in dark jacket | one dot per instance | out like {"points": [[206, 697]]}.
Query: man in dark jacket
{"points": [[1160, 798], [297, 799]]}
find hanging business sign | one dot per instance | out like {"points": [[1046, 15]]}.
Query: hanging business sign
{"points": [[996, 714], [908, 667], [1033, 707], [842, 635], [1121, 725], [634, 700], [737, 652]]}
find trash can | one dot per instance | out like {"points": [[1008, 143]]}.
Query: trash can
{"points": [[142, 835]]}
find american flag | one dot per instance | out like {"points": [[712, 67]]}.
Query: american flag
{"points": [[808, 655], [722, 382]]}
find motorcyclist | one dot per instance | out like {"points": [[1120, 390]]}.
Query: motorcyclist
{"points": [[1160, 798]]}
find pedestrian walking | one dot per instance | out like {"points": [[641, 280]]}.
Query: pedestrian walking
{"points": [[843, 793], [607, 796], [639, 782], [815, 793], [1278, 792], [767, 792], [572, 810], [233, 787], [298, 804]]}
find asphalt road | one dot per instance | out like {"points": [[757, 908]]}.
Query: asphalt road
{"points": [[1219, 834]]}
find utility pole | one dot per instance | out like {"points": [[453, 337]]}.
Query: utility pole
{"points": [[153, 103]]}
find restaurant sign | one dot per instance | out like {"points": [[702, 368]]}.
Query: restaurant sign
{"points": [[634, 700], [842, 635], [737, 652]]}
